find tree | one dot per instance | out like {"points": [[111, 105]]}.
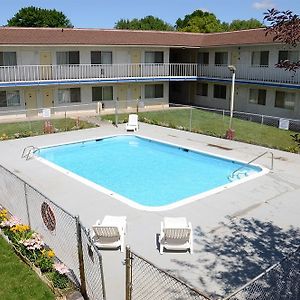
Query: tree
{"points": [[39, 17], [244, 24], [147, 23], [284, 26], [199, 21]]}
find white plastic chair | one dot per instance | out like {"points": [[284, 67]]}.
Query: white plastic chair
{"points": [[110, 233], [176, 234], [133, 124]]}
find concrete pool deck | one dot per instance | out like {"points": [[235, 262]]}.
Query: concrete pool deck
{"points": [[238, 232]]}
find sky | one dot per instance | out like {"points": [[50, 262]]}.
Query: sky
{"points": [[104, 14]]}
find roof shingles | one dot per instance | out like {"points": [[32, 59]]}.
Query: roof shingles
{"points": [[70, 36]]}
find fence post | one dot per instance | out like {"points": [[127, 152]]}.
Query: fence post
{"points": [[191, 115], [102, 277], [80, 259], [26, 201], [65, 120], [128, 266], [116, 112]]}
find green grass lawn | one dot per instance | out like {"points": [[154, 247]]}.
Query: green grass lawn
{"points": [[17, 280], [214, 124], [29, 128]]}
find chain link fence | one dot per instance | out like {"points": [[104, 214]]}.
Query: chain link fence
{"points": [[59, 230], [279, 282], [146, 281], [264, 130], [94, 276]]}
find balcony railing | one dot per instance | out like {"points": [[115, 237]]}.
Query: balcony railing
{"points": [[250, 73], [39, 73], [168, 71]]}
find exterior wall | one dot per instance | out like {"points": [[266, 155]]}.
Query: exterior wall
{"points": [[120, 55], [210, 101], [186, 91], [86, 95], [27, 55], [243, 104], [241, 101], [241, 57]]}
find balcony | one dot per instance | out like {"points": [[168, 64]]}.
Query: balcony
{"points": [[55, 74], [250, 74], [23, 75]]}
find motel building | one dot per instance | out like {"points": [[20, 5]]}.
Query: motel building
{"points": [[52, 67]]}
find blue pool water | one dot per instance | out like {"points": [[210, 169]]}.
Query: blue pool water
{"points": [[147, 172]]}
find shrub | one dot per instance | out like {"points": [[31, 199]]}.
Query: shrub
{"points": [[59, 281], [45, 263], [31, 246]]}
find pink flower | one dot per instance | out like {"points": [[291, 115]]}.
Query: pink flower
{"points": [[61, 268], [34, 243], [13, 221]]}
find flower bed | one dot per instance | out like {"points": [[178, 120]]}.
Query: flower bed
{"points": [[33, 251]]}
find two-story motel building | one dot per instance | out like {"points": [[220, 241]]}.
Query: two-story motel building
{"points": [[46, 67]]}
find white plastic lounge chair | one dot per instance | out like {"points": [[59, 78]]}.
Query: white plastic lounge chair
{"points": [[110, 233], [176, 234], [133, 124]]}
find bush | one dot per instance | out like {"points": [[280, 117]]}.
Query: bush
{"points": [[30, 245], [60, 281], [45, 263]]}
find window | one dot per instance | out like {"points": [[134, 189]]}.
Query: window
{"points": [[202, 89], [155, 57], [285, 100], [3, 102], [220, 91], [260, 58], [67, 58], [292, 56], [203, 58], [68, 95], [257, 96], [8, 58], [154, 91], [9, 98], [101, 57], [75, 95], [102, 93], [221, 58]]}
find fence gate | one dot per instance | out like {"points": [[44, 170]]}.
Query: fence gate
{"points": [[145, 281]]}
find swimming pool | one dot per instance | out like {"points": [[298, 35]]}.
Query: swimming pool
{"points": [[144, 173]]}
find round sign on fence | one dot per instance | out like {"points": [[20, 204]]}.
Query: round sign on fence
{"points": [[48, 216]]}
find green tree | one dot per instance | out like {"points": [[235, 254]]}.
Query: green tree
{"points": [[39, 17], [147, 23], [244, 24], [200, 21]]}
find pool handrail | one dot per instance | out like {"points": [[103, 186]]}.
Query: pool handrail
{"points": [[252, 160], [29, 151]]}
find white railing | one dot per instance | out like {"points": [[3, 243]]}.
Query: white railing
{"points": [[37, 73], [250, 73], [57, 73]]}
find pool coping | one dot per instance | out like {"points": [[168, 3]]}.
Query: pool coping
{"points": [[131, 202]]}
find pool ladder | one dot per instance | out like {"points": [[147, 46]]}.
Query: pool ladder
{"points": [[28, 152], [236, 174]]}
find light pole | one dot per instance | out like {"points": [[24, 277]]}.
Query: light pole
{"points": [[230, 131]]}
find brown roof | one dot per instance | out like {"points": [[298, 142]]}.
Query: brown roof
{"points": [[71, 36], [242, 37]]}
